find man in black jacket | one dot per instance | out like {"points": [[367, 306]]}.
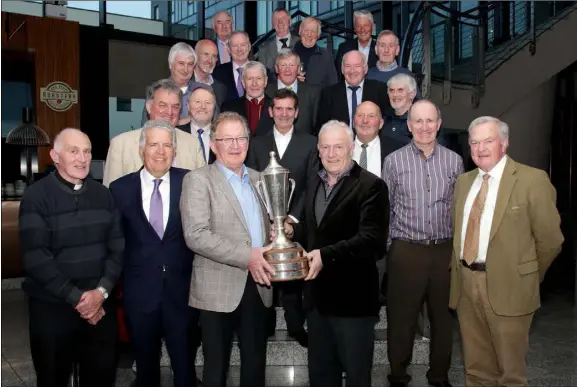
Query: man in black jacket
{"points": [[344, 229], [72, 246]]}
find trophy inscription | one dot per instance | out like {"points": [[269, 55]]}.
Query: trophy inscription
{"points": [[276, 190]]}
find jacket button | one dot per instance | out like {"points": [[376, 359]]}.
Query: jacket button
{"points": [[248, 243]]}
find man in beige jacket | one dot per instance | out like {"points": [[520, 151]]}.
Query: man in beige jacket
{"points": [[163, 103], [506, 235]]}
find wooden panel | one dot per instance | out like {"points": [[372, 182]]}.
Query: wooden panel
{"points": [[56, 46], [14, 32], [11, 260]]}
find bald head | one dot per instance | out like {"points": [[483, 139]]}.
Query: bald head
{"points": [[207, 53], [72, 154], [368, 121], [424, 104]]}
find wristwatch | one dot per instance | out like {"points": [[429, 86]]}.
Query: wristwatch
{"points": [[103, 291]]}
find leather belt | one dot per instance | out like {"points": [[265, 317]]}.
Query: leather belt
{"points": [[475, 266], [426, 242]]}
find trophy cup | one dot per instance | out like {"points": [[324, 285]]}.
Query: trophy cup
{"points": [[286, 257]]}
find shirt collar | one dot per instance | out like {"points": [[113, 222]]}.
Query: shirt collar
{"points": [[364, 48], [389, 67], [210, 79], [235, 66], [74, 187], [419, 152], [360, 84], [370, 144], [230, 174], [278, 134], [497, 171], [288, 38], [149, 179], [259, 99], [323, 174], [293, 85], [194, 128]]}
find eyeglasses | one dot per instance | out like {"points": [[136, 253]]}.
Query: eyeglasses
{"points": [[227, 141]]}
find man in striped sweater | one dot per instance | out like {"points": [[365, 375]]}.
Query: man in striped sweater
{"points": [[72, 246]]}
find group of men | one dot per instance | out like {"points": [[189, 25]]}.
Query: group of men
{"points": [[182, 222]]}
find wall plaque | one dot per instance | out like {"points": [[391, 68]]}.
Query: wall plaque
{"points": [[58, 96]]}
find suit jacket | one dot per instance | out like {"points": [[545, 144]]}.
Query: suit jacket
{"points": [[223, 73], [353, 44], [300, 158], [524, 240], [239, 106], [334, 103], [309, 98], [123, 157], [320, 70], [186, 128], [268, 51], [215, 228], [351, 236], [152, 264]]}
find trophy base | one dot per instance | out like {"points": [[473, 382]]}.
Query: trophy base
{"points": [[289, 264]]}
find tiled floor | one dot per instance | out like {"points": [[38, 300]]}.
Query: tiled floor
{"points": [[552, 359]]}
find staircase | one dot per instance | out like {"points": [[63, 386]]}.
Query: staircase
{"points": [[282, 350]]}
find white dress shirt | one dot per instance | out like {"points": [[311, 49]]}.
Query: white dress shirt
{"points": [[279, 43], [366, 50], [147, 186], [282, 140], [495, 175], [373, 155], [293, 87], [350, 101], [205, 137]]}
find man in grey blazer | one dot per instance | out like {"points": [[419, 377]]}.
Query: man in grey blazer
{"points": [[281, 22], [226, 225]]}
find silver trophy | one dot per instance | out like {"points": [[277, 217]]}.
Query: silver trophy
{"points": [[276, 190]]}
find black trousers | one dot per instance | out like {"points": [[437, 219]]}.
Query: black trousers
{"points": [[290, 294], [59, 336], [168, 321], [419, 273], [248, 320], [338, 344]]}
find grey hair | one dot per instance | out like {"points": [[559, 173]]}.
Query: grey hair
{"points": [[422, 101], [334, 124], [363, 13], [57, 143], [241, 33], [156, 124], [503, 127], [404, 79], [254, 65], [219, 13], [181, 48], [358, 52], [287, 53], [312, 19], [387, 33], [227, 117], [167, 85]]}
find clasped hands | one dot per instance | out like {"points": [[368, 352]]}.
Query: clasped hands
{"points": [[90, 306], [262, 271]]}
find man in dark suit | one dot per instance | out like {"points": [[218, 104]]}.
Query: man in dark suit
{"points": [[296, 152], [340, 101], [207, 54], [255, 104], [230, 73], [363, 24], [281, 22], [157, 263], [344, 228], [287, 67]]}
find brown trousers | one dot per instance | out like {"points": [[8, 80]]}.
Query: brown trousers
{"points": [[494, 347], [418, 274]]}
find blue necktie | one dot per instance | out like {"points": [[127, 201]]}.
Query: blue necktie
{"points": [[353, 102], [200, 132]]}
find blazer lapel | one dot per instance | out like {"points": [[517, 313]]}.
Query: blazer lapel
{"points": [[271, 144], [508, 181], [460, 199], [290, 147], [228, 193], [346, 186]]}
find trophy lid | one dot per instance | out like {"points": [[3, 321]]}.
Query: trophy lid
{"points": [[274, 166]]}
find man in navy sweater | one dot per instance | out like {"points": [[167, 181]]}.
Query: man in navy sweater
{"points": [[72, 244], [158, 264]]}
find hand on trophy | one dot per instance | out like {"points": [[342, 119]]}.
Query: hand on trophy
{"points": [[288, 228], [259, 268], [315, 264]]}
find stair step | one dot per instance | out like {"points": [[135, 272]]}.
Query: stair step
{"points": [[281, 322], [283, 350]]}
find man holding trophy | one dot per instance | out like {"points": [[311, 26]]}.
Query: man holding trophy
{"points": [[344, 228]]}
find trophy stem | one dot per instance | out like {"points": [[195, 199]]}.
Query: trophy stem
{"points": [[281, 241]]}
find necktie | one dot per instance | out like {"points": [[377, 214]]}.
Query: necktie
{"points": [[225, 55], [239, 87], [353, 101], [155, 217], [200, 132], [283, 42], [363, 160], [471, 246]]}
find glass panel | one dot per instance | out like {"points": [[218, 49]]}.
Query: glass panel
{"points": [[122, 121], [262, 18], [15, 96]]}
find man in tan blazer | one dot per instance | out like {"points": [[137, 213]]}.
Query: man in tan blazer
{"points": [[506, 234], [226, 225], [163, 104]]}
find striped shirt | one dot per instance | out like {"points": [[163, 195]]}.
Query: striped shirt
{"points": [[421, 192]]}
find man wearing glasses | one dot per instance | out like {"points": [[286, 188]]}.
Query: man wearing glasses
{"points": [[226, 225]]}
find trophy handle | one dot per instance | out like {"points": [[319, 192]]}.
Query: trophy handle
{"points": [[293, 185], [262, 192]]}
